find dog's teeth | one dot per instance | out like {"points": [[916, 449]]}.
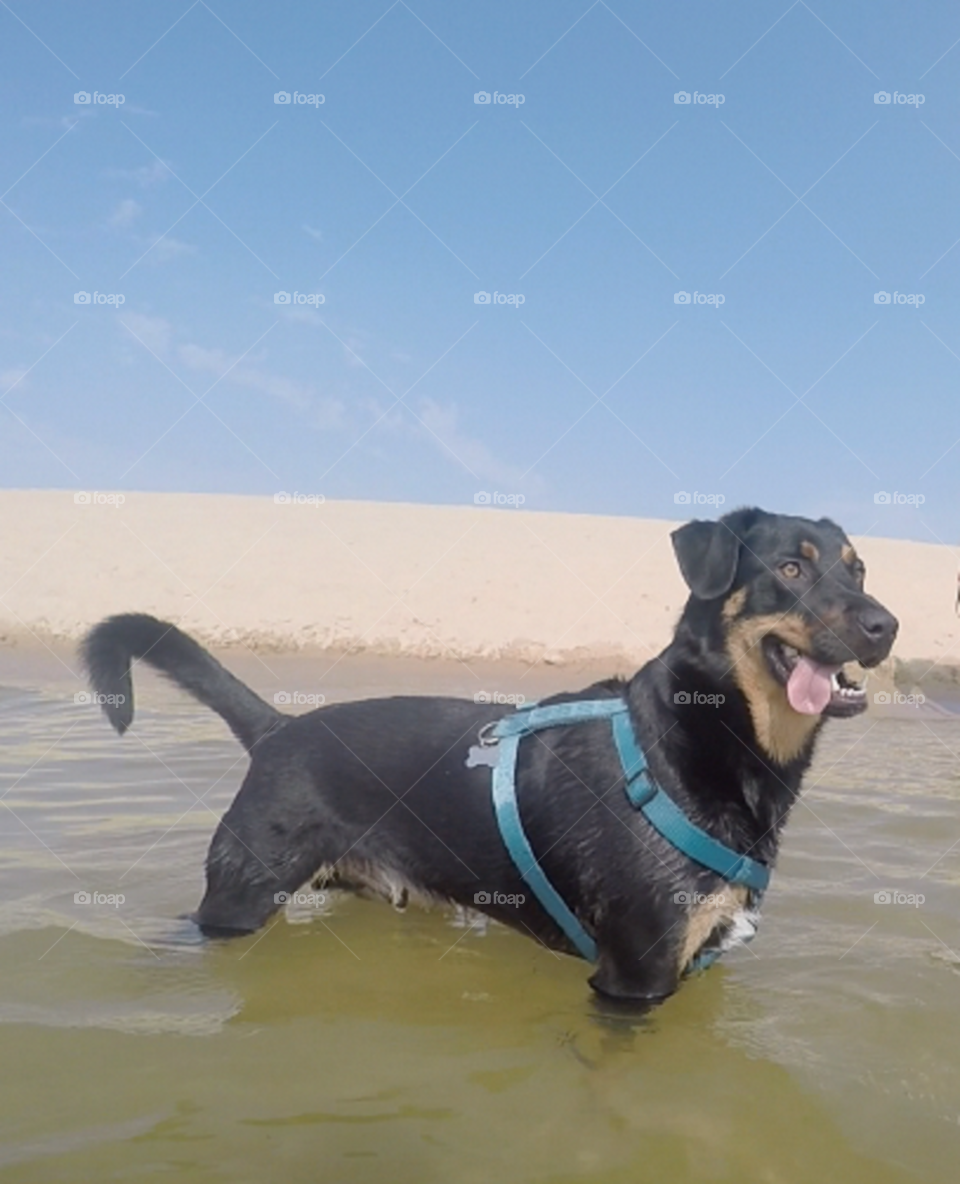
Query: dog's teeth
{"points": [[791, 651]]}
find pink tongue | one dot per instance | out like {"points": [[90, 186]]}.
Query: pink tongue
{"points": [[809, 687]]}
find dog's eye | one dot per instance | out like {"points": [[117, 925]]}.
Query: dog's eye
{"points": [[790, 569]]}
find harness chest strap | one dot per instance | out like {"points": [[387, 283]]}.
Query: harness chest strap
{"points": [[660, 810]]}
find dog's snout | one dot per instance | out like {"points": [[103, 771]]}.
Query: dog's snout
{"points": [[879, 626]]}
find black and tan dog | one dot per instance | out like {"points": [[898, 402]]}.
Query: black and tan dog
{"points": [[378, 796]]}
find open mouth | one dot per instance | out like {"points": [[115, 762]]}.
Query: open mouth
{"points": [[813, 688]]}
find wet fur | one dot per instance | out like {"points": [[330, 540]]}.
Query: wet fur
{"points": [[376, 796]]}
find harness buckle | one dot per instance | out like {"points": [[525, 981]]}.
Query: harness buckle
{"points": [[640, 790], [485, 737]]}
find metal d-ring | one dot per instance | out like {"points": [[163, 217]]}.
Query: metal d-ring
{"points": [[485, 736]]}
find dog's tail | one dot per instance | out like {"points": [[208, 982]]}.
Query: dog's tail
{"points": [[108, 648]]}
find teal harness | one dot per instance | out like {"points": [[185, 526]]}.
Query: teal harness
{"points": [[659, 809]]}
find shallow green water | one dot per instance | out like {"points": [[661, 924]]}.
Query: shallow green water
{"points": [[354, 1044]]}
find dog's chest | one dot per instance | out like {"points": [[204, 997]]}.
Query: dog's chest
{"points": [[718, 922]]}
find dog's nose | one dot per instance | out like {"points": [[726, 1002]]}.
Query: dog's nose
{"points": [[879, 625]]}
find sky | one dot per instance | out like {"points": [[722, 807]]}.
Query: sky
{"points": [[786, 199]]}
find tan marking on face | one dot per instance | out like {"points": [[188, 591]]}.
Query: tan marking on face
{"points": [[706, 915], [781, 731], [848, 555], [809, 551], [734, 603]]}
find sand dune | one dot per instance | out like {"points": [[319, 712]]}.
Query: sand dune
{"points": [[454, 581]]}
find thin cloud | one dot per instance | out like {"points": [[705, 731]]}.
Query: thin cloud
{"points": [[146, 176], [324, 412], [126, 213], [155, 333], [441, 427]]}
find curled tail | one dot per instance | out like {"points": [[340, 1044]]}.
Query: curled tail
{"points": [[108, 648]]}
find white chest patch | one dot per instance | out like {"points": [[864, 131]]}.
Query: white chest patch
{"points": [[743, 928]]}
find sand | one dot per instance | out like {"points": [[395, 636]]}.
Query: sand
{"points": [[385, 578]]}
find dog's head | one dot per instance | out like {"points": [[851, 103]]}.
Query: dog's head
{"points": [[777, 604]]}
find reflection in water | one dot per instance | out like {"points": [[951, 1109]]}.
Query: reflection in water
{"points": [[352, 1042]]}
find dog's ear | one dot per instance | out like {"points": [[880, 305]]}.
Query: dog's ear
{"points": [[707, 553]]}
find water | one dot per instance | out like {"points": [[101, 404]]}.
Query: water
{"points": [[354, 1044]]}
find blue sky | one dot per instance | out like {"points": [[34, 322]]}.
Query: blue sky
{"points": [[398, 198]]}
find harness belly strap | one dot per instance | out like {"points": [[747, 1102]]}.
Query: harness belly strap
{"points": [[660, 810], [532, 874]]}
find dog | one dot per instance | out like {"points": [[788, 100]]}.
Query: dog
{"points": [[381, 797]]}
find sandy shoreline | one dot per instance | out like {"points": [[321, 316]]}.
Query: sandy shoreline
{"points": [[390, 579]]}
